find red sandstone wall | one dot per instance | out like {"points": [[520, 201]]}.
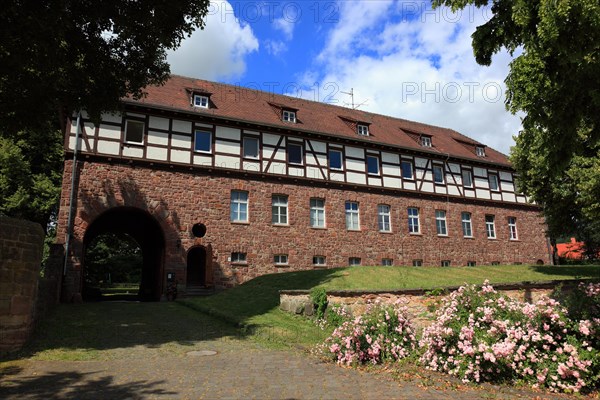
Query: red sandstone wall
{"points": [[178, 200]]}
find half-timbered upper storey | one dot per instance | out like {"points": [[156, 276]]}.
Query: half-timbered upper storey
{"points": [[207, 125]]}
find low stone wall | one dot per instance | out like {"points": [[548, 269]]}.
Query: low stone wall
{"points": [[418, 301], [21, 246]]}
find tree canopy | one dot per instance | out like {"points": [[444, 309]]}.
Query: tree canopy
{"points": [[59, 56], [555, 81]]}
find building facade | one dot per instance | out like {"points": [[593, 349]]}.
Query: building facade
{"points": [[219, 184]]}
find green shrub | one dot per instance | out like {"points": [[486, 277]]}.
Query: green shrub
{"points": [[319, 298]]}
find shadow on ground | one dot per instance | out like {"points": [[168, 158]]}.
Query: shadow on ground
{"points": [[575, 271], [72, 385]]}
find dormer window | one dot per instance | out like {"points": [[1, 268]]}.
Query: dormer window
{"points": [[480, 151], [200, 101], [362, 129], [289, 116], [426, 141]]}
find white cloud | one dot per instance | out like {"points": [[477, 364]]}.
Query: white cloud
{"points": [[286, 26], [418, 66], [218, 51], [275, 47]]}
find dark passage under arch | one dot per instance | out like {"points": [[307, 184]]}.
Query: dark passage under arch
{"points": [[146, 231]]}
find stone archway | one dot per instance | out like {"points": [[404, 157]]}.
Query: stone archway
{"points": [[146, 231]]}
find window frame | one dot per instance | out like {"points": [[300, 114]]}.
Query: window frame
{"points": [[497, 181], [445, 263], [357, 261], [317, 210], [513, 232], [280, 257], [490, 226], [288, 116], [417, 263], [315, 258], [279, 203], [471, 263], [439, 167], [371, 157], [412, 169], [362, 129], [134, 121], [299, 146], [341, 153], [464, 223], [426, 141], [412, 217], [244, 147], [480, 151], [440, 223], [350, 213], [239, 202], [470, 175], [202, 97], [210, 141], [382, 215], [387, 262], [237, 259]]}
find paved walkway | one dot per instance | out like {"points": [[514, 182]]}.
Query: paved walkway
{"points": [[134, 359]]}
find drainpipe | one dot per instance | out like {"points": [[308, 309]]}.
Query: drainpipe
{"points": [[72, 195]]}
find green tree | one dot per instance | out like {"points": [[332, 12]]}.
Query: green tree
{"points": [[555, 81], [116, 255], [59, 56], [30, 174]]}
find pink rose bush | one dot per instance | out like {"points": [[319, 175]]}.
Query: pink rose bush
{"points": [[382, 333], [481, 335]]}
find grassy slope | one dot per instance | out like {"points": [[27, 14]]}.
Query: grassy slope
{"points": [[256, 302]]}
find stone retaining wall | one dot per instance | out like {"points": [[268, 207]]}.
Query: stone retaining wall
{"points": [[418, 301], [21, 246]]}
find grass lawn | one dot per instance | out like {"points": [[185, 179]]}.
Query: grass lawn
{"points": [[255, 303]]}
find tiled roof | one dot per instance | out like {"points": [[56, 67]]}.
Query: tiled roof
{"points": [[259, 107]]}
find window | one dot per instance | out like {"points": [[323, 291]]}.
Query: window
{"points": [[438, 173], [134, 131], [490, 227], [280, 259], [237, 257], [319, 260], [407, 169], [471, 264], [373, 165], [335, 159], [440, 222], [203, 141], [239, 206], [413, 220], [200, 101], [352, 217], [363, 130], [387, 262], [466, 224], [251, 147], [480, 151], [426, 141], [417, 263], [495, 262], [467, 178], [493, 181], [383, 218], [354, 261], [295, 153], [445, 263], [279, 210], [317, 213], [512, 228], [289, 116]]}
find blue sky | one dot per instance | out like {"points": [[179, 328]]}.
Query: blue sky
{"points": [[401, 58]]}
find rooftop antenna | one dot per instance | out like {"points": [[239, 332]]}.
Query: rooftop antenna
{"points": [[351, 94]]}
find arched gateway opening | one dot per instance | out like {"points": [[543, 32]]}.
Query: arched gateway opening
{"points": [[143, 229]]}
